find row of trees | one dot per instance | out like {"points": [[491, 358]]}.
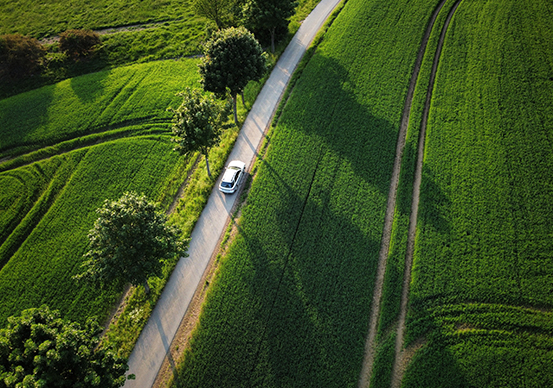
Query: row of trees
{"points": [[233, 57], [22, 56], [266, 18]]}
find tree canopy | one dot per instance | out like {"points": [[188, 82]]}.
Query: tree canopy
{"points": [[129, 242], [218, 11], [79, 43], [39, 349], [20, 55], [233, 57], [268, 15], [198, 123]]}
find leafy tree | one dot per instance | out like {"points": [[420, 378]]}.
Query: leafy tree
{"points": [[233, 57], [219, 11], [79, 43], [39, 349], [271, 15], [129, 242], [198, 123], [20, 55]]}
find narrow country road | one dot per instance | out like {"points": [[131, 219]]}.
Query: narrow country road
{"points": [[155, 340]]}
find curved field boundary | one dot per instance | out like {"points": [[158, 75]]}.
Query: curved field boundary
{"points": [[399, 362], [370, 344]]}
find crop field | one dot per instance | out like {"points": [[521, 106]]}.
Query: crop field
{"points": [[482, 281], [290, 305], [48, 18], [64, 149], [107, 101]]}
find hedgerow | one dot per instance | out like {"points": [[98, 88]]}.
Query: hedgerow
{"points": [[290, 305], [482, 276]]}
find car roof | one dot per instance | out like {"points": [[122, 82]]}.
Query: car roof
{"points": [[229, 175], [237, 163]]}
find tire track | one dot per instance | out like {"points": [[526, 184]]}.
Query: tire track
{"points": [[370, 343], [400, 355]]}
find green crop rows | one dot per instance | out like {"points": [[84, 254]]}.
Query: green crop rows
{"points": [[68, 147], [290, 306], [482, 286]]}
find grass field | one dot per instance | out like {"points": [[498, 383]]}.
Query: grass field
{"points": [[482, 286], [72, 145], [48, 18], [290, 306]]}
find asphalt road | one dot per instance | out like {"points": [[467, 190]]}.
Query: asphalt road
{"points": [[153, 344]]}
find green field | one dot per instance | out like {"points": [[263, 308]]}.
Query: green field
{"points": [[51, 17], [482, 282], [290, 305], [69, 146]]}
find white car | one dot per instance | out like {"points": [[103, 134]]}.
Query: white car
{"points": [[232, 176]]}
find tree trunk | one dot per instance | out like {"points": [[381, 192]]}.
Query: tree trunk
{"points": [[273, 40], [207, 165], [234, 109], [243, 102], [147, 287]]}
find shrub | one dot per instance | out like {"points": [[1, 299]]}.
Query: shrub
{"points": [[20, 55], [79, 43]]}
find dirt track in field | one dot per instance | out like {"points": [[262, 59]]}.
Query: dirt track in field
{"points": [[403, 356], [371, 344], [113, 30]]}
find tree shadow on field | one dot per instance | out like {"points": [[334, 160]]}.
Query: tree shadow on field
{"points": [[337, 111], [316, 294], [89, 87], [21, 116], [434, 204]]}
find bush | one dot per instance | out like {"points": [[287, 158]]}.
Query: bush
{"points": [[20, 56], [79, 43]]}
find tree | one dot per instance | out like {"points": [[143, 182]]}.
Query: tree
{"points": [[198, 123], [129, 242], [219, 11], [270, 15], [39, 349], [79, 43], [20, 55], [233, 57]]}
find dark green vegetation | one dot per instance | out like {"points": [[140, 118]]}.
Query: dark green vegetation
{"points": [[232, 58], [198, 123], [148, 30], [39, 349], [130, 242], [482, 286], [290, 306], [78, 143]]}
